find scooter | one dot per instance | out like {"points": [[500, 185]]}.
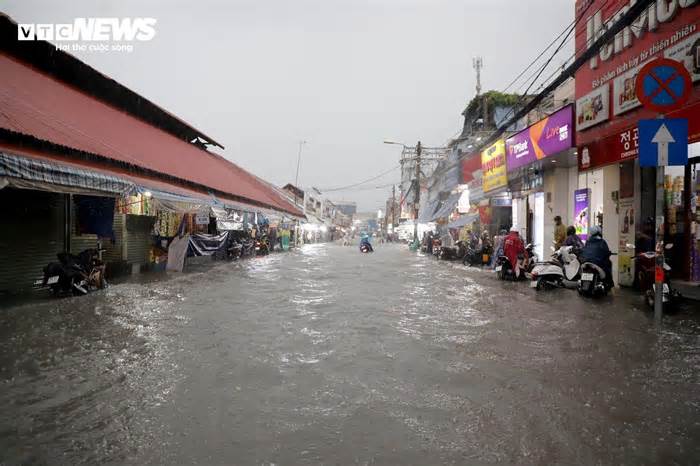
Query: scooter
{"points": [[452, 253], [505, 271], [77, 275], [473, 257], [563, 269], [593, 281], [366, 247], [646, 265], [262, 246]]}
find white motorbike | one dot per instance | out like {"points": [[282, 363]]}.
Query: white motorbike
{"points": [[564, 270]]}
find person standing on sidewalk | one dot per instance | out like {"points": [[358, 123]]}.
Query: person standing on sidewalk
{"points": [[559, 232]]}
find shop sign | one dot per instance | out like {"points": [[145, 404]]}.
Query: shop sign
{"points": [[593, 108], [201, 218], [581, 212], [501, 201], [493, 166], [667, 29], [548, 136], [470, 164], [616, 148]]}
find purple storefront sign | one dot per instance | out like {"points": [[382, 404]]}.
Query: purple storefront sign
{"points": [[546, 137]]}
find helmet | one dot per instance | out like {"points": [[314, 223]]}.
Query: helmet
{"points": [[596, 230], [514, 229]]}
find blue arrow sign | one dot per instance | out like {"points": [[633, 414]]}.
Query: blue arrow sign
{"points": [[663, 142]]}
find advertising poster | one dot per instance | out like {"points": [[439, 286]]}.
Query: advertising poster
{"points": [[625, 253], [581, 212], [493, 166], [593, 108], [624, 96], [547, 137]]}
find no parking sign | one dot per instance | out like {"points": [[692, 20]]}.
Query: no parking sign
{"points": [[663, 85]]}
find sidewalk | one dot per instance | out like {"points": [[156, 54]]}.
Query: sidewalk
{"points": [[689, 290]]}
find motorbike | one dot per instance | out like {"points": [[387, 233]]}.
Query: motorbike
{"points": [[437, 245], [262, 246], [453, 253], [473, 256], [234, 250], [366, 248], [247, 247], [563, 268], [593, 281], [75, 274], [505, 271], [645, 267]]}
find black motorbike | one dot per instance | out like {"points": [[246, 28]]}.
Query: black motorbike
{"points": [[473, 256], [453, 253], [75, 274], [593, 281], [262, 246]]}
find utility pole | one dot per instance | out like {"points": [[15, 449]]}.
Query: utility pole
{"points": [[393, 203], [419, 149]]}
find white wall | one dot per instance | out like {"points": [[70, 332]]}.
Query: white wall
{"points": [[611, 216]]}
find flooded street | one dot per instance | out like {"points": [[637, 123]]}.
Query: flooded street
{"points": [[328, 356]]}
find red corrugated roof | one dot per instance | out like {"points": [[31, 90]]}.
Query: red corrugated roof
{"points": [[35, 104]]}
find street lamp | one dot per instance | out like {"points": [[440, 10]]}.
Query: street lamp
{"points": [[386, 141]]}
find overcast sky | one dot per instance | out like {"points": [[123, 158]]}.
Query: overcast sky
{"points": [[344, 75]]}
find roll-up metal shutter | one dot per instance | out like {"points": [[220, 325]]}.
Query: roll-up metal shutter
{"points": [[139, 237], [32, 232]]}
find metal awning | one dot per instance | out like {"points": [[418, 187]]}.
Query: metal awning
{"points": [[447, 207], [463, 220], [29, 173], [426, 213]]}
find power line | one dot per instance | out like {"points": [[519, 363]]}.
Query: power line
{"points": [[344, 188], [625, 20]]}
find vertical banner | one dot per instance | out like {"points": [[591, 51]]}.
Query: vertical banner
{"points": [[493, 166], [625, 250], [581, 212]]}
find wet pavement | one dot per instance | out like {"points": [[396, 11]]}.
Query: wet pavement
{"points": [[329, 356]]}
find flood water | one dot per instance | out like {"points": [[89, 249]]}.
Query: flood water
{"points": [[328, 356]]}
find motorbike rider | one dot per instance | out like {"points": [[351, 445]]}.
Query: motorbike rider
{"points": [[572, 239], [513, 248], [364, 241], [597, 252]]}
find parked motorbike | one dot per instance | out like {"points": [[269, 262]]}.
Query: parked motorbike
{"points": [[75, 274], [505, 271], [453, 253], [563, 268], [645, 267], [473, 256], [234, 250], [247, 247], [262, 246], [437, 245]]}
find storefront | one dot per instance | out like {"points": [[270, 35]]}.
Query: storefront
{"points": [[622, 195], [541, 164], [494, 185]]}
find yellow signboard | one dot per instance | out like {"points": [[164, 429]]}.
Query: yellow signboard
{"points": [[493, 166]]}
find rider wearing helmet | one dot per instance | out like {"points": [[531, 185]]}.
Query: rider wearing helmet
{"points": [[597, 252]]}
